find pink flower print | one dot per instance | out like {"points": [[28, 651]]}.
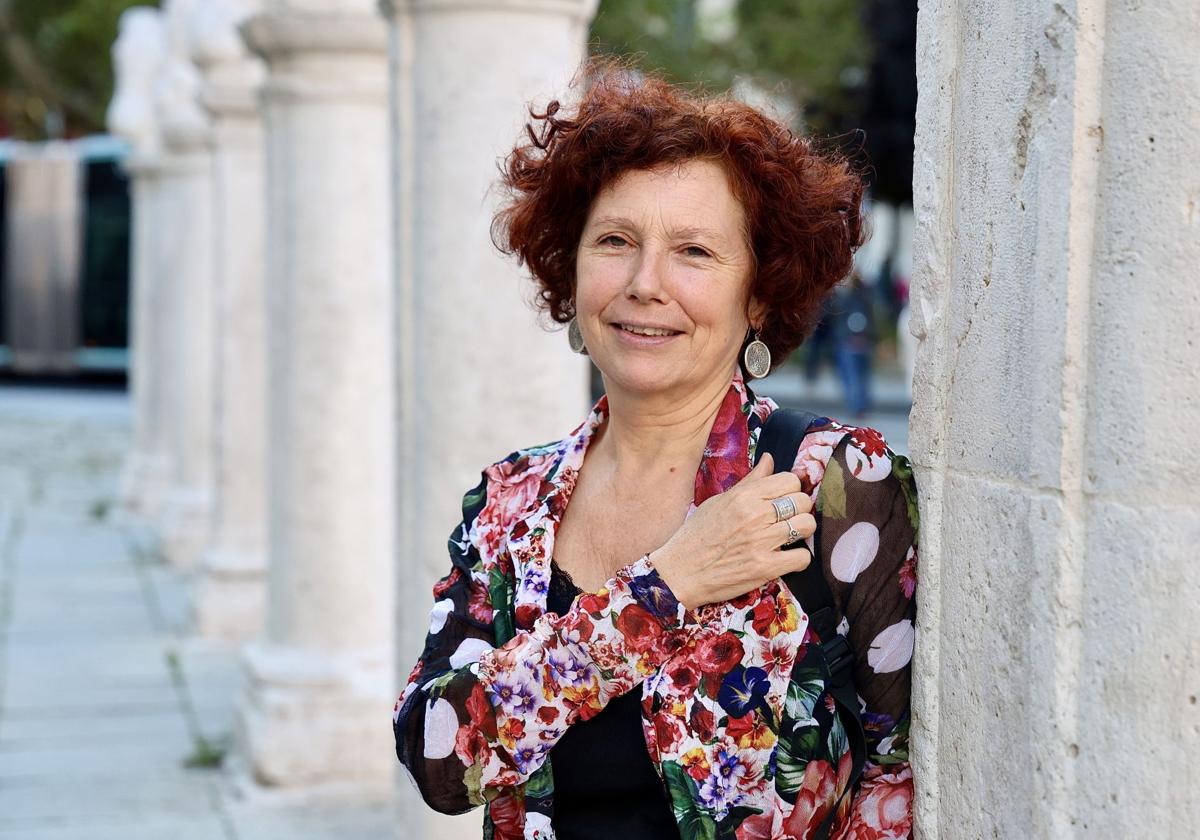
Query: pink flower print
{"points": [[512, 488], [722, 466], [882, 809], [908, 573], [814, 454]]}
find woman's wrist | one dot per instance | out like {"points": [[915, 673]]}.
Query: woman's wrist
{"points": [[662, 561]]}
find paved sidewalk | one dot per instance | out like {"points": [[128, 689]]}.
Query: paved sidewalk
{"points": [[104, 699]]}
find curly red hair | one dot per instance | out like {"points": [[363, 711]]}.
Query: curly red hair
{"points": [[802, 206]]}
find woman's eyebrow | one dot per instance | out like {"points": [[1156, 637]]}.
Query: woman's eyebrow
{"points": [[687, 232]]}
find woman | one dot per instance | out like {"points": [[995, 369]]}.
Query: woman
{"points": [[613, 651]]}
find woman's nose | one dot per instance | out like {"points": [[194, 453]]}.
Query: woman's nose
{"points": [[646, 283]]}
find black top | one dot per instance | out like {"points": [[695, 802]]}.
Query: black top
{"points": [[605, 785]]}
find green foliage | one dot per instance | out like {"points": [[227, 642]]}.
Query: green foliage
{"points": [[806, 51], [208, 754], [56, 64]]}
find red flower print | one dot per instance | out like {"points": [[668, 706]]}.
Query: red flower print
{"points": [[702, 722], [584, 698], [548, 714], [716, 656], [481, 712], [479, 605], [750, 731], [669, 732], [773, 616], [578, 626], [724, 461], [511, 731], [444, 585], [594, 602], [695, 763], [684, 676], [471, 746], [508, 816], [640, 629], [526, 614], [869, 441]]}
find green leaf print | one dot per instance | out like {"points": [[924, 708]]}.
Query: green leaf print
{"points": [[472, 498], [831, 498], [498, 590], [902, 469], [802, 693], [473, 779], [541, 783], [727, 827], [694, 822], [794, 752], [837, 743]]}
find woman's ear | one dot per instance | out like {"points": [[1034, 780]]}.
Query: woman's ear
{"points": [[756, 313]]}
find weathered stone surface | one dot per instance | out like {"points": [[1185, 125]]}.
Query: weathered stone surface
{"points": [[1057, 662]]}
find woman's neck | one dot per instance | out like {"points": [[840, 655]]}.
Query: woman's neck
{"points": [[647, 439]]}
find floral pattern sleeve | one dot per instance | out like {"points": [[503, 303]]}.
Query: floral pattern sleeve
{"points": [[478, 717], [868, 521]]}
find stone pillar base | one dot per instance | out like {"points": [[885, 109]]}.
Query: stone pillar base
{"points": [[186, 524], [307, 718], [230, 596]]}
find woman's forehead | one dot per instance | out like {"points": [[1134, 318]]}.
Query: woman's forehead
{"points": [[692, 198]]}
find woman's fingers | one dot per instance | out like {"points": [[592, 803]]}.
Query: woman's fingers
{"points": [[777, 484], [796, 560]]}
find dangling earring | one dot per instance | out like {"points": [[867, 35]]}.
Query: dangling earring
{"points": [[757, 358], [575, 337]]}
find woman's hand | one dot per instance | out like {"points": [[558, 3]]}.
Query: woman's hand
{"points": [[731, 544]]}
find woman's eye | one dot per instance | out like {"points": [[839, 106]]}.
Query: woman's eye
{"points": [[695, 251], [612, 238]]}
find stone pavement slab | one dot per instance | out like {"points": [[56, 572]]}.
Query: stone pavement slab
{"points": [[104, 695]]}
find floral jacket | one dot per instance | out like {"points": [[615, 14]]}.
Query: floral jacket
{"points": [[735, 715]]}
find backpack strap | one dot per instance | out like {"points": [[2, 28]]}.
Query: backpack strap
{"points": [[782, 435]]}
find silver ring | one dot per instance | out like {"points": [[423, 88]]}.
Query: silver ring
{"points": [[785, 508], [793, 536]]}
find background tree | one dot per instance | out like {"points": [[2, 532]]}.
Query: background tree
{"points": [[55, 67], [841, 65], [812, 53]]}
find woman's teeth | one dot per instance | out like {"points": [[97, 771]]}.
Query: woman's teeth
{"points": [[646, 330]]}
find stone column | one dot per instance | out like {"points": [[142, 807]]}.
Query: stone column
{"points": [[228, 599], [317, 682], [138, 56], [463, 75], [1057, 245], [187, 270]]}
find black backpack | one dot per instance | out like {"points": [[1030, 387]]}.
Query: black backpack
{"points": [[781, 435]]}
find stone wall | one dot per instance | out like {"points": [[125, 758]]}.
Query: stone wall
{"points": [[1055, 299]]}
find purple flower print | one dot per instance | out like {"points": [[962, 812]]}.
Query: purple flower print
{"points": [[719, 791], [565, 668], [513, 696], [654, 595], [743, 690]]}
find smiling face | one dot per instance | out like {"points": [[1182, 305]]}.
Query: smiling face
{"points": [[663, 280]]}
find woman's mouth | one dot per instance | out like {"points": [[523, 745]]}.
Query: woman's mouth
{"points": [[644, 336]]}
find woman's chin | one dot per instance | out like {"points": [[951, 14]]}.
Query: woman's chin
{"points": [[643, 379]]}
